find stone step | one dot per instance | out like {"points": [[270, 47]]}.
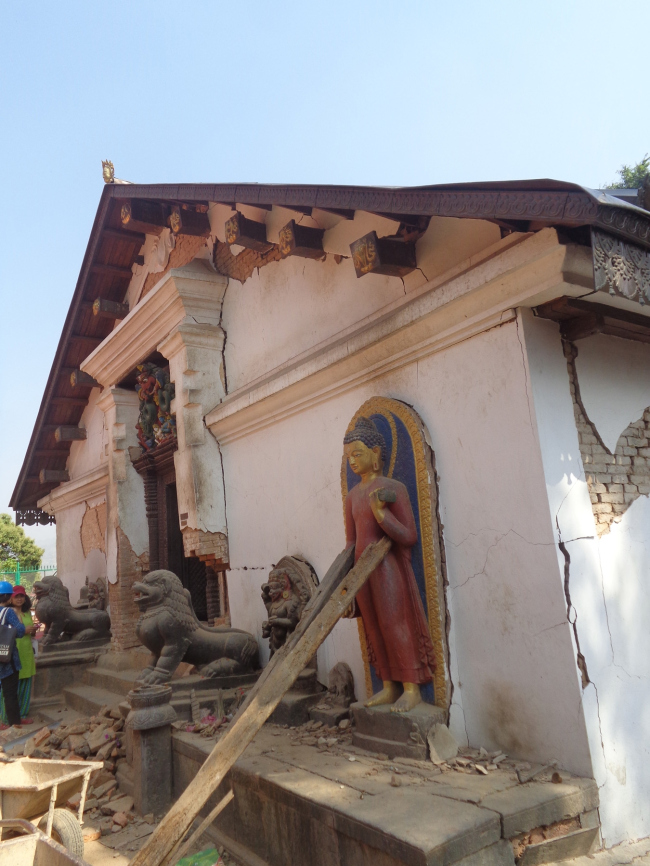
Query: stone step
{"points": [[88, 700], [119, 682]]}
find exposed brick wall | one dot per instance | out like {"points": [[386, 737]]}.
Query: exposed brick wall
{"points": [[186, 249], [614, 480], [124, 611], [242, 266], [93, 529]]}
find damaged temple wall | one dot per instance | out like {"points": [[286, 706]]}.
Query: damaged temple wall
{"points": [[513, 673], [79, 505], [607, 566]]}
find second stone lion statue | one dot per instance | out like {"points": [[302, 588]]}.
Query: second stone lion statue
{"points": [[61, 620], [169, 628]]}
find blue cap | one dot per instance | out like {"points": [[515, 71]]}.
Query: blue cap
{"points": [[6, 588]]}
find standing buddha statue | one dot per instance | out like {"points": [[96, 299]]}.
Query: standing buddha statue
{"points": [[399, 643]]}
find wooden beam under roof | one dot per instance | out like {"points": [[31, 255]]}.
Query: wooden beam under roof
{"points": [[112, 270], [57, 476], [124, 234], [69, 401], [105, 309], [579, 319]]}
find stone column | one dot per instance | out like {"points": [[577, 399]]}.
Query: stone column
{"points": [[127, 535], [149, 726], [195, 353]]}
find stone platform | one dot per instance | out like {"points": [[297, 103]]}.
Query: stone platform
{"points": [[298, 805], [63, 666]]}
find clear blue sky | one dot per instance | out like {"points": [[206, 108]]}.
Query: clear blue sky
{"points": [[295, 92]]}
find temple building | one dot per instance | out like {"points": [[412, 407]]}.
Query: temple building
{"points": [[223, 339]]}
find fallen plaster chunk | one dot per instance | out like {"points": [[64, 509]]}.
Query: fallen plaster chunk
{"points": [[442, 745]]}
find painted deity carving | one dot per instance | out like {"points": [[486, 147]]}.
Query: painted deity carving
{"points": [[291, 585], [156, 424], [399, 644]]}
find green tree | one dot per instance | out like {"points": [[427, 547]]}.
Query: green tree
{"points": [[15, 545], [632, 176]]}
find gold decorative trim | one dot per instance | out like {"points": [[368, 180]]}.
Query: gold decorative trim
{"points": [[415, 427]]}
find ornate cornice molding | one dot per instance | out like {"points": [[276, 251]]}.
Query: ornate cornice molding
{"points": [[194, 292], [90, 485], [620, 268]]}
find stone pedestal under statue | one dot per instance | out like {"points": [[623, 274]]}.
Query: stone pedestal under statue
{"points": [[398, 735], [295, 706], [149, 726]]}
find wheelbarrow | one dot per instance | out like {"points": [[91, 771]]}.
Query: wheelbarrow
{"points": [[32, 790], [30, 847]]}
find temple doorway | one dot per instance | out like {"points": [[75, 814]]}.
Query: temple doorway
{"points": [[189, 569]]}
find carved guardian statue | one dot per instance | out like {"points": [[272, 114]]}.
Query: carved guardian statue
{"points": [[169, 628], [62, 621]]}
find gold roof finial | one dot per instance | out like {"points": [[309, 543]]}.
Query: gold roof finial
{"points": [[108, 171]]}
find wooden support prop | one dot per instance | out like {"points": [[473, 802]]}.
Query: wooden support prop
{"points": [[69, 434], [247, 233], [373, 255], [79, 379], [149, 217], [304, 241], [46, 476], [105, 309], [335, 593], [188, 222], [180, 851]]}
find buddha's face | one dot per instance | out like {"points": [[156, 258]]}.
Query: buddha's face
{"points": [[361, 458]]}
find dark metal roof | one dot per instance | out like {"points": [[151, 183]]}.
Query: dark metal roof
{"points": [[525, 205]]}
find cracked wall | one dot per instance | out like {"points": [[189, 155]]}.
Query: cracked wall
{"points": [[615, 477], [604, 563], [511, 666]]}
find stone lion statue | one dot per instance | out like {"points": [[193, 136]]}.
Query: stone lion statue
{"points": [[169, 628], [61, 620]]}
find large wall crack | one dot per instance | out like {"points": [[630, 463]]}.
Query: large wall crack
{"points": [[615, 480]]}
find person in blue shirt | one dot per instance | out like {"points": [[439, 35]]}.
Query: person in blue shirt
{"points": [[9, 670]]}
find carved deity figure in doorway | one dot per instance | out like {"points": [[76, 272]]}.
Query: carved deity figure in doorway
{"points": [[398, 639]]}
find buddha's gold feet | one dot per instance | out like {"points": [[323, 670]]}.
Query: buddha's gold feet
{"points": [[409, 699], [387, 695]]}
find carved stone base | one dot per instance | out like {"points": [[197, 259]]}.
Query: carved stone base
{"points": [[329, 716], [294, 707], [398, 735], [75, 646]]}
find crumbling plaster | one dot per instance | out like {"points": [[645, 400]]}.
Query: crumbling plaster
{"points": [[513, 673], [608, 602]]}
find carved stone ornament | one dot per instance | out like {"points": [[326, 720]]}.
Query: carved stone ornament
{"points": [[156, 424], [291, 585], [169, 628], [620, 268], [62, 621]]}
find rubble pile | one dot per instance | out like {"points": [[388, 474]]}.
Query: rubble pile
{"points": [[98, 738]]}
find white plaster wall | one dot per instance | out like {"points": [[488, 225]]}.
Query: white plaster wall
{"points": [[513, 670], [90, 452], [608, 578], [72, 566], [265, 318]]}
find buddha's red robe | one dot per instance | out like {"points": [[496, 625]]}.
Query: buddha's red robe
{"points": [[399, 643]]}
